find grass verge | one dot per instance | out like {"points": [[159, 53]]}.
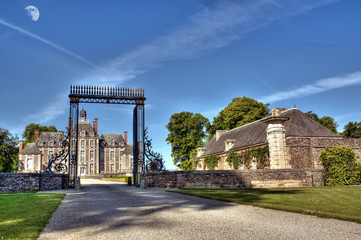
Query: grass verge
{"points": [[24, 215], [116, 179], [342, 203]]}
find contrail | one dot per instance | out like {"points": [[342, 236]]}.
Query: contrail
{"points": [[47, 42]]}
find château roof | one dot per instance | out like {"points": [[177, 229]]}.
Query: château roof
{"points": [[30, 148], [296, 124], [84, 125], [46, 137], [116, 138]]}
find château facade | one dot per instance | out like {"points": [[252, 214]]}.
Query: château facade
{"points": [[108, 154]]}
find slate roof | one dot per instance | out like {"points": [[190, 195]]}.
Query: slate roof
{"points": [[117, 138], [30, 148], [252, 134], [46, 137], [84, 125]]}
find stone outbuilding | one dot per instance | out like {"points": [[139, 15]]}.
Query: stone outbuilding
{"points": [[293, 141]]}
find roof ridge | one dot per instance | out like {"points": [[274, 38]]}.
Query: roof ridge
{"points": [[246, 125]]}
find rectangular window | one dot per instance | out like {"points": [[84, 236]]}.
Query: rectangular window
{"points": [[91, 168], [82, 143], [91, 143], [82, 155], [50, 155], [91, 155], [112, 156], [120, 167], [29, 163], [73, 142], [112, 168], [82, 171], [131, 162]]}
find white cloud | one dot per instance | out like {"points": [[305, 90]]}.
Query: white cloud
{"points": [[204, 32], [47, 42], [319, 86]]}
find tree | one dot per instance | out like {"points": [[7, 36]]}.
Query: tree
{"points": [[186, 133], [8, 151], [352, 130], [239, 112], [30, 129], [325, 121]]}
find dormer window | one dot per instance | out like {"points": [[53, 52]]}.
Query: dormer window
{"points": [[92, 134], [229, 143], [51, 143], [121, 144], [112, 144], [82, 134], [40, 144]]}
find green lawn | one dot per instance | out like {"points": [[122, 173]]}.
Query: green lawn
{"points": [[331, 202], [24, 215]]}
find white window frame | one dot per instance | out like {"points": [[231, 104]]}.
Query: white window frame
{"points": [[82, 171], [112, 167], [82, 155], [82, 143], [112, 155], [131, 162], [91, 143], [91, 168], [91, 154], [29, 166]]}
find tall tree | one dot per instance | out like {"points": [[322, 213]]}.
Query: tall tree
{"points": [[352, 130], [8, 151], [30, 129], [326, 121], [239, 112], [186, 134]]}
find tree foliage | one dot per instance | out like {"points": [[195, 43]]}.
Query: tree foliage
{"points": [[8, 151], [352, 130], [189, 165], [325, 121], [28, 134], [239, 112], [341, 167], [186, 133]]}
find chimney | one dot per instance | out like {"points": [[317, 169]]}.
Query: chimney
{"points": [[125, 136], [219, 133], [21, 146], [36, 135], [277, 111], [95, 125]]}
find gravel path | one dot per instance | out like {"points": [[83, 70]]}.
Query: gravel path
{"points": [[108, 210]]}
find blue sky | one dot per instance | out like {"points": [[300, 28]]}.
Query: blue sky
{"points": [[189, 55]]}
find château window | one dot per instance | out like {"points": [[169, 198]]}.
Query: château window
{"points": [[131, 162], [91, 143], [112, 168], [82, 155], [91, 168], [51, 143], [51, 154], [82, 143], [91, 155], [112, 157], [112, 144], [29, 163], [121, 144]]}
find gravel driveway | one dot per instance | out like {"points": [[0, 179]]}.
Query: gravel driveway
{"points": [[108, 210]]}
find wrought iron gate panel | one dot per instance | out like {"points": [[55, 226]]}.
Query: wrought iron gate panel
{"points": [[73, 126], [138, 143]]}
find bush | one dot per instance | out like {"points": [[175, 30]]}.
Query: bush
{"points": [[233, 159], [341, 167], [211, 161]]}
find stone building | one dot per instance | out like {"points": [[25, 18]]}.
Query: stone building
{"points": [[110, 154], [293, 141]]}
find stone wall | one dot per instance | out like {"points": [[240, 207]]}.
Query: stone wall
{"points": [[18, 182], [259, 178], [304, 151]]}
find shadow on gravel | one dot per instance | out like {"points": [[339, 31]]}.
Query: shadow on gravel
{"points": [[116, 206]]}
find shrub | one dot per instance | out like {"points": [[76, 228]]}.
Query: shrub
{"points": [[341, 167], [189, 165], [211, 161]]}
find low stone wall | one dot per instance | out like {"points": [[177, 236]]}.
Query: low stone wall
{"points": [[260, 178], [18, 182]]}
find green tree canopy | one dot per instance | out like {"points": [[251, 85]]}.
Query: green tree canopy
{"points": [[186, 133], [239, 112], [30, 129], [326, 121], [352, 130], [8, 151]]}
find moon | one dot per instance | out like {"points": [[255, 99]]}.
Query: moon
{"points": [[33, 12]]}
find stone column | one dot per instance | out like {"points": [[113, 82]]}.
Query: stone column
{"points": [[276, 139]]}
